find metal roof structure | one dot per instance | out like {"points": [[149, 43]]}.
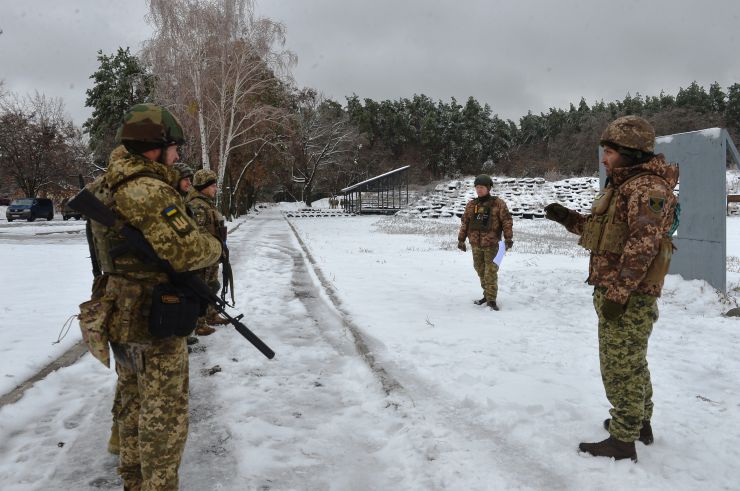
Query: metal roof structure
{"points": [[384, 194], [367, 182]]}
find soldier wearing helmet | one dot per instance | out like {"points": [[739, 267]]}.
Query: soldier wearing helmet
{"points": [[628, 236], [152, 410], [209, 219], [185, 179], [485, 219]]}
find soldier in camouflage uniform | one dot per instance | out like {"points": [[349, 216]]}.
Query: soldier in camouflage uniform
{"points": [[152, 372], [185, 182], [628, 235], [207, 216], [485, 219]]}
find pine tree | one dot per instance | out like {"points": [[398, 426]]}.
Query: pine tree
{"points": [[717, 98], [732, 110], [120, 82], [694, 97]]}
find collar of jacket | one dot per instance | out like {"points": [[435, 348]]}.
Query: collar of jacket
{"points": [[123, 165], [656, 166], [198, 195]]}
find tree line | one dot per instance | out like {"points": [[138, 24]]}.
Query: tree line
{"points": [[447, 139], [224, 71]]}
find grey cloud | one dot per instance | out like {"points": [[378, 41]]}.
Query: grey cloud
{"points": [[513, 55]]}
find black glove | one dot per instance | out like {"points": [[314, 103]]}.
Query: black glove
{"points": [[556, 212], [508, 243], [612, 310], [461, 246]]}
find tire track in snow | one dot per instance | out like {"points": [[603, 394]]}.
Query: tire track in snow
{"points": [[314, 417], [421, 403]]}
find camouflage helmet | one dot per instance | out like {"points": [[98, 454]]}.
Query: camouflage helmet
{"points": [[483, 180], [204, 178], [152, 124], [184, 169], [630, 132]]}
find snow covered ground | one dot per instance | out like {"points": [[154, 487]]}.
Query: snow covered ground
{"points": [[386, 375]]}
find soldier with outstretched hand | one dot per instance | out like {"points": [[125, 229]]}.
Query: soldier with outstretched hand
{"points": [[152, 363], [485, 219], [628, 235]]}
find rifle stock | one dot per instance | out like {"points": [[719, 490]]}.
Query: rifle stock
{"points": [[86, 203]]}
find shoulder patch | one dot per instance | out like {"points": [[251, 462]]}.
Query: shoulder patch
{"points": [[177, 220], [656, 203]]}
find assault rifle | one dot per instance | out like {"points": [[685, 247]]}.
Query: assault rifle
{"points": [[86, 203]]}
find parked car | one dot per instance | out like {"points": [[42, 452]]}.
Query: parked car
{"points": [[68, 212], [30, 209], [5, 201]]}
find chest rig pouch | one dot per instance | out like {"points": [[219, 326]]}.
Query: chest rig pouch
{"points": [[175, 311], [600, 232], [481, 219]]}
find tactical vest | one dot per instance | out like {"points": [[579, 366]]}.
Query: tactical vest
{"points": [[601, 233], [217, 224], [110, 247], [481, 219]]}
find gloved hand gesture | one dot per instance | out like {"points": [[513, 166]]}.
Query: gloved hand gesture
{"points": [[612, 310], [508, 243], [556, 212], [461, 246]]}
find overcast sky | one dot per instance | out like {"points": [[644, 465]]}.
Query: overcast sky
{"points": [[513, 55]]}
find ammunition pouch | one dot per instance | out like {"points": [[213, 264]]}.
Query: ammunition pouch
{"points": [[600, 232], [660, 265], [602, 201], [175, 311], [599, 235], [93, 318], [481, 218]]}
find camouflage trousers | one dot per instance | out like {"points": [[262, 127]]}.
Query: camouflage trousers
{"points": [[152, 414], [623, 359], [487, 270]]}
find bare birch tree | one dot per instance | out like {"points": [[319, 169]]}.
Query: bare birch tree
{"points": [[323, 138], [235, 62]]}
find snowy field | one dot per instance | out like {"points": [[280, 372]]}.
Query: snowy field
{"points": [[386, 375]]}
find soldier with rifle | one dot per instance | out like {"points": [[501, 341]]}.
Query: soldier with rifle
{"points": [[200, 201], [148, 301]]}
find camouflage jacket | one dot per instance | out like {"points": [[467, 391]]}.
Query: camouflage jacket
{"points": [[498, 222], [204, 212], [142, 196], [646, 204]]}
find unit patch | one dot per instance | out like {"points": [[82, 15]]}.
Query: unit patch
{"points": [[656, 203], [177, 220]]}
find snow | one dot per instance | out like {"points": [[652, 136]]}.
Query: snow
{"points": [[525, 197], [386, 375], [713, 133], [46, 274]]}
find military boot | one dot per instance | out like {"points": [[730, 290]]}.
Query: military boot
{"points": [[204, 330], [611, 447], [646, 432], [492, 305], [216, 320], [114, 443], [480, 302]]}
